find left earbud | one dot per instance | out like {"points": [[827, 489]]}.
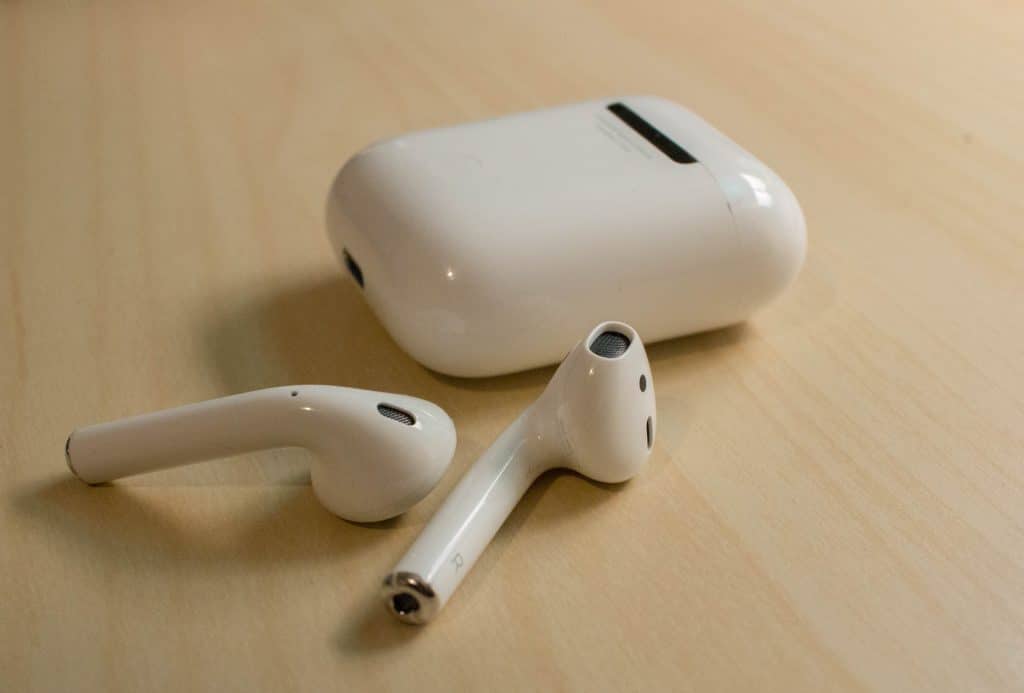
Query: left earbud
{"points": [[376, 454]]}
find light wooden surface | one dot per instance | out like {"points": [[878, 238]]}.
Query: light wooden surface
{"points": [[836, 499]]}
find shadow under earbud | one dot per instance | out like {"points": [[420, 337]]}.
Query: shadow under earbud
{"points": [[376, 629], [373, 628], [574, 494], [286, 524]]}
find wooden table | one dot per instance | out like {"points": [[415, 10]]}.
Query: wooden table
{"points": [[836, 498]]}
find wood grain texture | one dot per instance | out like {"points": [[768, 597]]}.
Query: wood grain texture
{"points": [[836, 499]]}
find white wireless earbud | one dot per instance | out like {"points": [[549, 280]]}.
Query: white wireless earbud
{"points": [[596, 416], [377, 454]]}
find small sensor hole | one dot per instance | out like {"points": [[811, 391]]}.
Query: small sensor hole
{"points": [[643, 383], [295, 393], [353, 267]]}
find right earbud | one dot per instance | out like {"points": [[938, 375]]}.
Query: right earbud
{"points": [[376, 454], [596, 416]]}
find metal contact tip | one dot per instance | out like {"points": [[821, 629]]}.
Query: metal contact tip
{"points": [[67, 455], [409, 598], [67, 458]]}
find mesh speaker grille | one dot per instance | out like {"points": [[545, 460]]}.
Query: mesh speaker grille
{"points": [[610, 344], [395, 414]]}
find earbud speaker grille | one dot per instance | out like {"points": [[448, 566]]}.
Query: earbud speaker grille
{"points": [[610, 344], [396, 414]]}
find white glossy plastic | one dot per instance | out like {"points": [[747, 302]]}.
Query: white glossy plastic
{"points": [[367, 467], [485, 247], [596, 417]]}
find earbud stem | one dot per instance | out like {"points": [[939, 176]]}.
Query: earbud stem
{"points": [[462, 528], [183, 435]]}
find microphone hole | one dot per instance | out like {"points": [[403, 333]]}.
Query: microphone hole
{"points": [[404, 603], [295, 393], [650, 433], [353, 267], [643, 383]]}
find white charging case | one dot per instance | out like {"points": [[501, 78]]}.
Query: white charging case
{"points": [[490, 247]]}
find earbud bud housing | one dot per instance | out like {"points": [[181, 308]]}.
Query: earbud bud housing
{"points": [[484, 248], [375, 454], [597, 416]]}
